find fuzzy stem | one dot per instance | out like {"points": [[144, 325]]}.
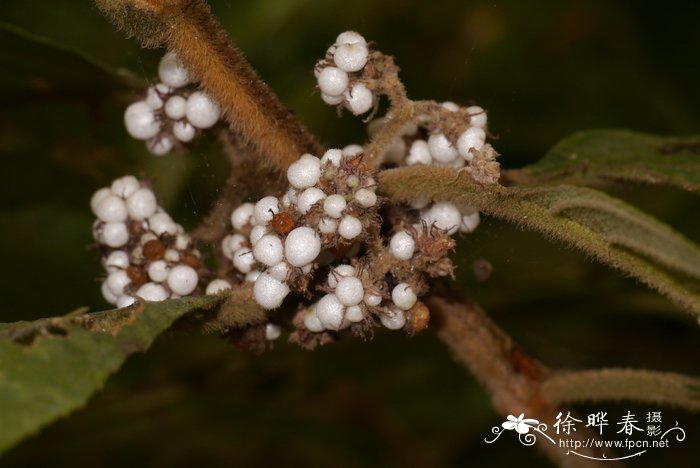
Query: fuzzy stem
{"points": [[660, 388], [253, 111], [512, 378]]}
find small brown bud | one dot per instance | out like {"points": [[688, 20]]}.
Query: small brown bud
{"points": [[154, 249]]}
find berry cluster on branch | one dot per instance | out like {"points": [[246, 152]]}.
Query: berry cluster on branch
{"points": [[350, 259]]}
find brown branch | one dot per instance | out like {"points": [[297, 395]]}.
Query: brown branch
{"points": [[253, 111], [512, 378]]}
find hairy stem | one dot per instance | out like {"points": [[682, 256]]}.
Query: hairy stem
{"points": [[665, 388], [252, 110], [512, 378]]}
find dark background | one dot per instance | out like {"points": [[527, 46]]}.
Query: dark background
{"points": [[542, 69]]}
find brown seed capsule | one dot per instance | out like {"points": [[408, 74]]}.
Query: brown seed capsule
{"points": [[418, 317], [154, 249], [191, 260], [282, 223], [137, 275]]}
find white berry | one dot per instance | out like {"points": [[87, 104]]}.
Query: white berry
{"points": [[477, 116], [257, 233], [241, 215], [182, 279], [351, 57], [332, 100], [232, 243], [158, 271], [115, 234], [125, 301], [172, 72], [419, 154], [330, 311], [441, 149], [473, 137], [117, 260], [340, 272], [269, 292], [161, 223], [201, 111], [311, 321], [305, 172], [350, 37], [269, 250], [172, 255], [350, 227], [160, 145], [111, 209], [117, 281], [184, 131], [332, 156], [470, 221], [403, 296], [354, 314], [272, 331], [265, 210], [217, 286], [279, 271], [350, 291], [152, 292], [153, 98], [366, 198], [108, 295], [443, 215], [309, 198], [327, 225], [252, 276], [97, 198], [372, 300], [334, 205], [352, 151], [393, 319], [125, 186], [243, 260], [332, 81], [302, 246], [402, 245], [142, 204], [140, 121], [359, 99], [450, 106], [175, 107]]}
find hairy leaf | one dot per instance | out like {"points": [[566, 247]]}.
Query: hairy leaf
{"points": [[41, 69], [604, 227], [642, 386], [50, 367], [596, 155]]}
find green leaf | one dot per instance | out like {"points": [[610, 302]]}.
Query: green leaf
{"points": [[50, 367], [643, 386], [599, 155], [41, 69], [606, 228]]}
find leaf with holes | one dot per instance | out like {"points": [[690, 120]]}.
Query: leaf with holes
{"points": [[51, 367]]}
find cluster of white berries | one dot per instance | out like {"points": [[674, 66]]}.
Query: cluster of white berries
{"points": [[351, 301], [144, 252], [279, 242], [340, 77], [173, 111], [417, 145]]}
